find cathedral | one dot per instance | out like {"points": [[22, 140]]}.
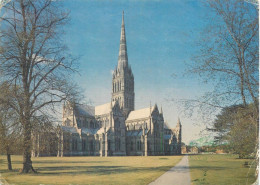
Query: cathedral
{"points": [[115, 128]]}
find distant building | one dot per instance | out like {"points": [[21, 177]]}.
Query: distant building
{"points": [[220, 151], [184, 150], [194, 150], [116, 128]]}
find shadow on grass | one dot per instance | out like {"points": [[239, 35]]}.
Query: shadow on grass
{"points": [[209, 168], [80, 162], [8, 171], [13, 162], [96, 170], [91, 170], [105, 170]]}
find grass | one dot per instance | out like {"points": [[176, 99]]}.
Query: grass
{"points": [[221, 170], [89, 170]]}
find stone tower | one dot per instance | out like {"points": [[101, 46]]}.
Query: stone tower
{"points": [[123, 79]]}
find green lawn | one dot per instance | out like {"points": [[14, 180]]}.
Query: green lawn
{"points": [[89, 170], [220, 170]]}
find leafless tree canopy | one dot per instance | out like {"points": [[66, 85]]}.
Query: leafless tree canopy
{"points": [[229, 53], [34, 61], [228, 57]]}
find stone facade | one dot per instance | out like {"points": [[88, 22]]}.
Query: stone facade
{"points": [[115, 128]]}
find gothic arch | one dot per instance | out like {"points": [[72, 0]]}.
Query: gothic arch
{"points": [[91, 124], [113, 87]]}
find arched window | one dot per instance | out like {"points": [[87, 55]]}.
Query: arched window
{"points": [[91, 124], [83, 144], [117, 144], [91, 145], [108, 144], [79, 122], [132, 146], [74, 145]]}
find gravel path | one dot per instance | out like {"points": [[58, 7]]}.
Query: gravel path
{"points": [[2, 181], [177, 175]]}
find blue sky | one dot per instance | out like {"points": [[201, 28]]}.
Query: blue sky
{"points": [[161, 38]]}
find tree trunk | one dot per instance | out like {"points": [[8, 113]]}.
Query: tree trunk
{"points": [[9, 161], [27, 162]]}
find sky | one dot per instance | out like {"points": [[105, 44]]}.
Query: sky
{"points": [[161, 40]]}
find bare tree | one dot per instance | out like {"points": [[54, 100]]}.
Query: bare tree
{"points": [[229, 53], [10, 134], [33, 58], [227, 59], [10, 128]]}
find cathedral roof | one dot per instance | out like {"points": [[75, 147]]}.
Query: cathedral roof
{"points": [[72, 130], [101, 130], [139, 114], [166, 126], [103, 109], [84, 110]]}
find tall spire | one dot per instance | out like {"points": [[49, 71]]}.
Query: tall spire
{"points": [[179, 121], [122, 57], [123, 78], [123, 22]]}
